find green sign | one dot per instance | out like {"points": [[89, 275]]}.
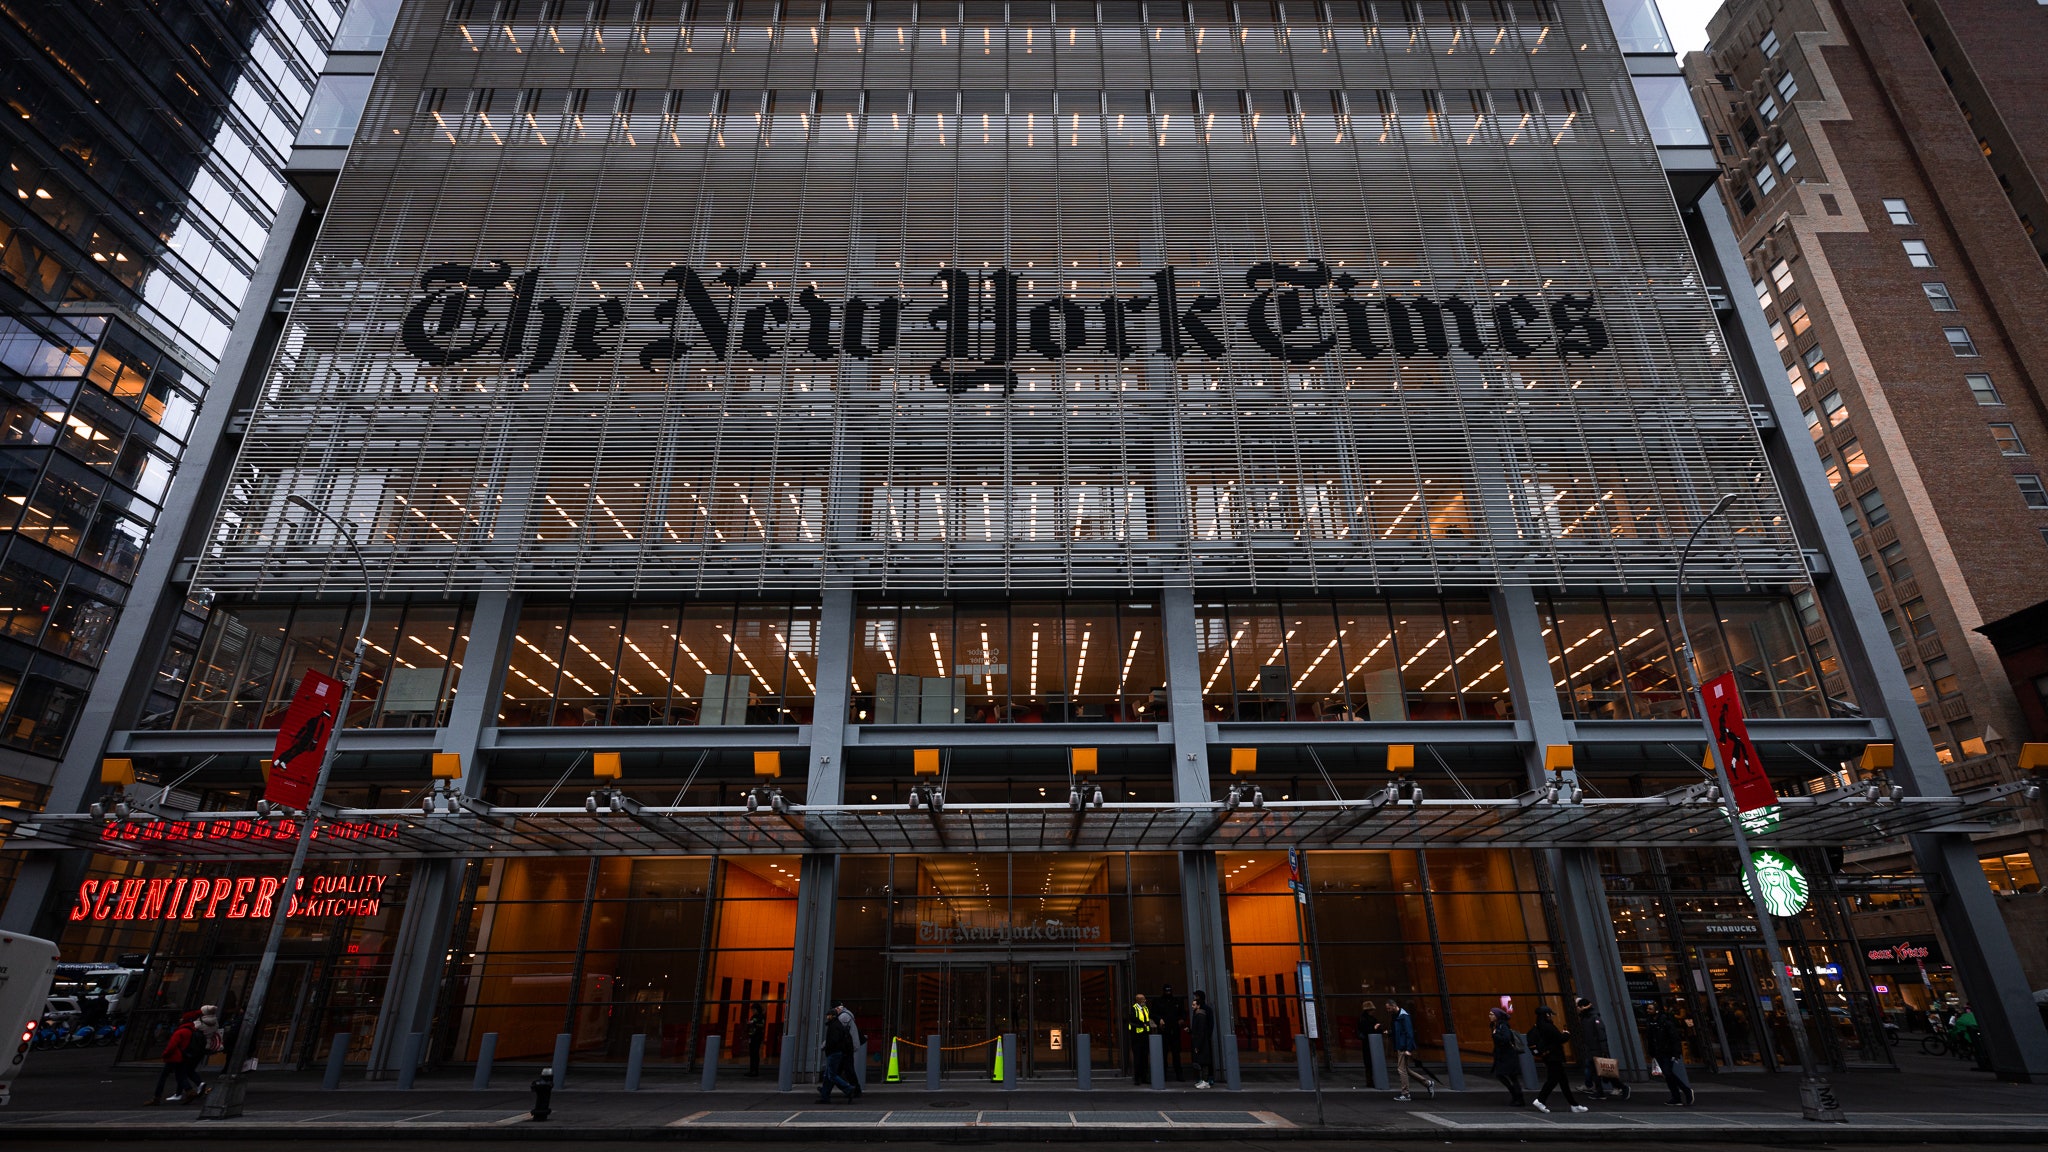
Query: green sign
{"points": [[1758, 821], [1784, 883]]}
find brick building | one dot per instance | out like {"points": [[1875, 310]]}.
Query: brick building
{"points": [[1882, 164]]}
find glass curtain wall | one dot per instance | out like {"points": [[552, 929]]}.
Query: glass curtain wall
{"points": [[1446, 933], [1616, 656], [699, 662], [676, 948], [1321, 659], [1024, 662]]}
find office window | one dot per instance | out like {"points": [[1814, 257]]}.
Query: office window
{"points": [[1766, 180], [1938, 297], [1745, 199], [1725, 143], [1814, 427], [1793, 378], [1836, 408], [1763, 294], [1892, 629], [1769, 43], [1833, 468], [1817, 363], [1918, 622], [1809, 608], [1851, 521], [1916, 253], [1982, 391], [1873, 572], [1786, 158], [1896, 565], [1778, 336], [1788, 87], [1896, 209], [2011, 875], [1959, 341], [1874, 511], [1768, 109], [2031, 490], [1799, 319], [2007, 437], [1853, 458], [1942, 675], [1781, 274]]}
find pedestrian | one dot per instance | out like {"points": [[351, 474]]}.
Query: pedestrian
{"points": [[838, 1050], [206, 1040], [183, 1040], [757, 1030], [1368, 1024], [1172, 1021], [1667, 1047], [1140, 1022], [1547, 1042], [1507, 1056], [1590, 1034], [1402, 1028], [1202, 1035]]}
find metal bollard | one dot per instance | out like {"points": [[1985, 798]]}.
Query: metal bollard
{"points": [[933, 1058], [1531, 1078], [1011, 1073], [561, 1069], [636, 1056], [486, 1055], [409, 1059], [1233, 1077], [710, 1077], [337, 1055], [1155, 1050], [860, 1065], [1454, 1063], [1305, 1062], [785, 1064], [1376, 1047], [1084, 1060], [543, 1087]]}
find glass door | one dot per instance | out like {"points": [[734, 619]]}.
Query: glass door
{"points": [[1050, 1027], [1734, 1034], [1095, 1012]]}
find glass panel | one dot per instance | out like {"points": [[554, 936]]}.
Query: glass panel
{"points": [[1420, 637], [336, 109], [1649, 666], [1668, 109], [1588, 679], [535, 665], [1372, 673], [1638, 26]]}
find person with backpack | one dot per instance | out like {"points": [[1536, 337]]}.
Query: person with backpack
{"points": [[1507, 1057], [1546, 1042], [1403, 1029], [177, 1062], [1590, 1034], [1667, 1047], [838, 1048]]}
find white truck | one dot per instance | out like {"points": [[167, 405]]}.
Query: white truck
{"points": [[27, 965]]}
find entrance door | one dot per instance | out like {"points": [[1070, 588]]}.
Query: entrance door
{"points": [[1051, 1015], [970, 1004], [1731, 1001]]}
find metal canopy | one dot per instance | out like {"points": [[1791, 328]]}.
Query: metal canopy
{"points": [[1835, 819]]}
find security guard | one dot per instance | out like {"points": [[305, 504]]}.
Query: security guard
{"points": [[1141, 1026]]}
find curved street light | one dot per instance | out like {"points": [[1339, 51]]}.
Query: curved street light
{"points": [[225, 1100], [1816, 1099]]}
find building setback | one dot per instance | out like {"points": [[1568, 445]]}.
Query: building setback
{"points": [[980, 510], [1881, 163]]}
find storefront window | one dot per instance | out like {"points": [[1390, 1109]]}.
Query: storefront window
{"points": [[1277, 661]]}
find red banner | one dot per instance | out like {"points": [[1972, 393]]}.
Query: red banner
{"points": [[302, 741], [1746, 775]]}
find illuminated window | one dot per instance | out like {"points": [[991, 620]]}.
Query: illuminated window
{"points": [[1832, 404], [1853, 458], [2011, 875], [1918, 621], [1817, 363], [1799, 319], [1778, 336], [2007, 437]]}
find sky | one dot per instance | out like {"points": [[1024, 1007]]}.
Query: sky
{"points": [[1686, 20]]}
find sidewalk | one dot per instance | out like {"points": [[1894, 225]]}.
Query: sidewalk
{"points": [[80, 1095]]}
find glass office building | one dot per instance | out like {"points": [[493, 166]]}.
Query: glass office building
{"points": [[1045, 501]]}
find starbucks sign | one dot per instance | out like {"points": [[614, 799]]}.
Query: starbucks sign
{"points": [[1784, 883]]}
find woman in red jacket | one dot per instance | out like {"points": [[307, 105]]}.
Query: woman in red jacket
{"points": [[178, 1058]]}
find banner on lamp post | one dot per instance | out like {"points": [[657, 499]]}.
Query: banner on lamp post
{"points": [[1746, 776], [302, 741]]}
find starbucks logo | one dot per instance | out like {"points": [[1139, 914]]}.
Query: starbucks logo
{"points": [[1784, 884]]}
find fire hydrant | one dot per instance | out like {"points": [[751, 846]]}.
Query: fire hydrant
{"points": [[543, 1087]]}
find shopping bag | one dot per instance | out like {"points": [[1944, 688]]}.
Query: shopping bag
{"points": [[1606, 1068]]}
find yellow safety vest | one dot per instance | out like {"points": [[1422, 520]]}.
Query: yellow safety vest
{"points": [[1141, 1020]]}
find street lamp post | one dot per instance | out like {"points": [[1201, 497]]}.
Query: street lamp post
{"points": [[225, 1100], [1816, 1098]]}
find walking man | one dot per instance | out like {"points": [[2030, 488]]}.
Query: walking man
{"points": [[1403, 1029], [1546, 1041], [1590, 1034], [1667, 1047], [1507, 1057], [838, 1049], [1202, 1035], [1172, 1020], [1141, 1025]]}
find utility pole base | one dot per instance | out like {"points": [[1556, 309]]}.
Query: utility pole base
{"points": [[224, 1099], [1817, 1102]]}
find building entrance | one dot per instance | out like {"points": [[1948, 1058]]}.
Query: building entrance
{"points": [[1728, 977], [970, 1002]]}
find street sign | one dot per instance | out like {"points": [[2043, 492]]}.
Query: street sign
{"points": [[1304, 978], [1294, 883], [302, 741], [1746, 775]]}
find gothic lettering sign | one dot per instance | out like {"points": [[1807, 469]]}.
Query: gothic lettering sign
{"points": [[225, 897], [1004, 932], [978, 325]]}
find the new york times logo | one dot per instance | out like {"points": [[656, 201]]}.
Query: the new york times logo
{"points": [[981, 324]]}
